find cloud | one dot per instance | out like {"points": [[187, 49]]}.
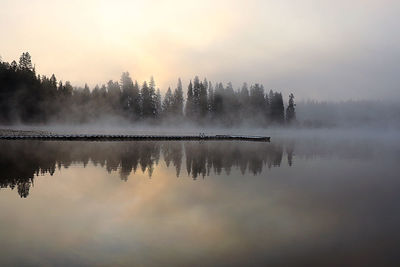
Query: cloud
{"points": [[317, 49]]}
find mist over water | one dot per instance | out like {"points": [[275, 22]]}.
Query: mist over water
{"points": [[315, 198]]}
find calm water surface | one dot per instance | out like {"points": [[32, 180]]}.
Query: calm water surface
{"points": [[293, 202]]}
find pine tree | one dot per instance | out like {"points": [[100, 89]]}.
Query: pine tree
{"points": [[244, 94], [136, 101], [267, 111], [281, 109], [218, 110], [177, 104], [189, 101], [168, 103], [114, 96], [14, 65], [152, 83], [147, 101], [277, 108], [244, 101], [53, 82], [270, 97], [153, 97], [86, 94], [127, 93], [290, 110], [257, 100], [68, 89], [210, 97], [158, 104], [203, 105], [25, 62], [196, 96]]}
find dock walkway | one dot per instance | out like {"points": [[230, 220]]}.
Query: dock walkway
{"points": [[112, 137]]}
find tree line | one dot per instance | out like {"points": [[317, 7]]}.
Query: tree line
{"points": [[29, 98]]}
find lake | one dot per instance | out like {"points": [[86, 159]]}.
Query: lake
{"points": [[313, 199]]}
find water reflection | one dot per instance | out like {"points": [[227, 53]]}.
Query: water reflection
{"points": [[322, 203], [20, 161]]}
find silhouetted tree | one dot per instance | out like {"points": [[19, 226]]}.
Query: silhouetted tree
{"points": [[153, 97], [168, 102], [218, 109], [203, 104], [25, 62], [177, 103], [196, 97], [290, 110], [277, 108], [158, 104], [147, 101], [127, 95], [189, 108], [210, 97]]}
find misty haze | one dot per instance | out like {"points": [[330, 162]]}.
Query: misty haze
{"points": [[199, 133]]}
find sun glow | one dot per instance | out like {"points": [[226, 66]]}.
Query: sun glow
{"points": [[285, 44]]}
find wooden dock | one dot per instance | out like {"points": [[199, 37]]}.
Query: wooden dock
{"points": [[112, 137]]}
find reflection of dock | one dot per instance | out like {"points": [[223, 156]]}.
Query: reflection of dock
{"points": [[110, 137]]}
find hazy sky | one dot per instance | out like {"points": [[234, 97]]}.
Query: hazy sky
{"points": [[315, 48]]}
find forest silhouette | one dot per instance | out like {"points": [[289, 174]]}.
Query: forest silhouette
{"points": [[21, 161], [26, 97]]}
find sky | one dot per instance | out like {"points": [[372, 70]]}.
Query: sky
{"points": [[317, 49]]}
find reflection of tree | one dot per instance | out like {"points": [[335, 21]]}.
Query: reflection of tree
{"points": [[196, 158], [172, 152], [290, 153], [20, 161], [201, 158]]}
